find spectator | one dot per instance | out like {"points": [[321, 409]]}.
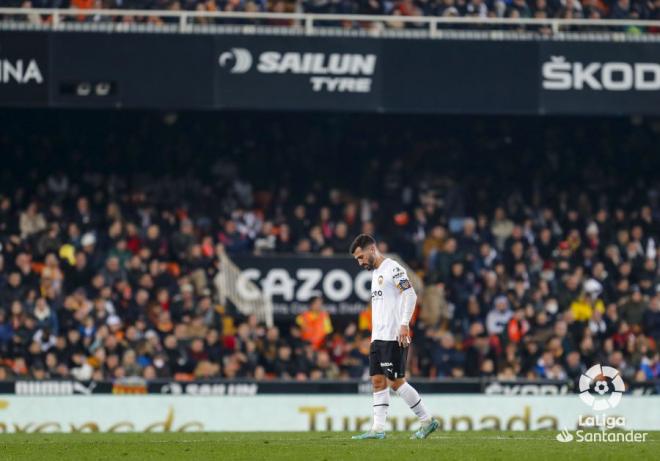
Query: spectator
{"points": [[651, 319], [284, 366], [446, 357], [499, 316], [32, 221], [315, 324], [583, 308], [632, 308], [620, 9]]}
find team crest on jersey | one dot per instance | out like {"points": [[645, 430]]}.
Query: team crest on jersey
{"points": [[380, 280]]}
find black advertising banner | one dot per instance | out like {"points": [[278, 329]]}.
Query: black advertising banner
{"points": [[24, 69], [263, 72], [607, 78], [470, 77], [292, 281], [132, 70], [223, 387], [301, 73], [375, 75]]}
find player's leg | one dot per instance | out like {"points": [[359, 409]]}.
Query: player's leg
{"points": [[409, 394], [381, 397], [381, 406], [412, 398]]}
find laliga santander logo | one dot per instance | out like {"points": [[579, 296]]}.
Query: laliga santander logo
{"points": [[601, 387], [607, 384], [241, 57]]}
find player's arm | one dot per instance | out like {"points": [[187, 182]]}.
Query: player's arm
{"points": [[408, 303]]}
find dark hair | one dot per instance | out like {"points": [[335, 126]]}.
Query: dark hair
{"points": [[362, 241], [315, 298]]}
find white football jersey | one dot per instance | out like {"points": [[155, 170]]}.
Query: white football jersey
{"points": [[387, 283]]}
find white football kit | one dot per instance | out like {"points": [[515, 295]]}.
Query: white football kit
{"points": [[392, 305], [392, 301]]}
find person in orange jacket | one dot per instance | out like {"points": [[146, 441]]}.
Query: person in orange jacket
{"points": [[364, 319], [315, 323]]}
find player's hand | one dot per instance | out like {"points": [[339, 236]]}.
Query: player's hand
{"points": [[404, 336]]}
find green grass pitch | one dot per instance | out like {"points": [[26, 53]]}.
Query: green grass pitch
{"points": [[291, 446]]}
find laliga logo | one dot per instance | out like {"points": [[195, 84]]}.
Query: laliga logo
{"points": [[601, 387], [241, 57]]}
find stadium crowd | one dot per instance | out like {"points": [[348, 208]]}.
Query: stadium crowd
{"points": [[541, 9], [535, 266]]}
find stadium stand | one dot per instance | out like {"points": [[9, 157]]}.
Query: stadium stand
{"points": [[107, 258], [540, 9]]}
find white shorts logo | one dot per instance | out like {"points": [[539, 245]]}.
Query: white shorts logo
{"points": [[598, 377], [241, 57]]}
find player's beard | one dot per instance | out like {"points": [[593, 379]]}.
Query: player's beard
{"points": [[370, 263]]}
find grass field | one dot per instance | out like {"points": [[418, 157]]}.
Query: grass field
{"points": [[292, 446]]}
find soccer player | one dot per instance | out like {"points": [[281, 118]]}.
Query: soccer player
{"points": [[392, 305]]}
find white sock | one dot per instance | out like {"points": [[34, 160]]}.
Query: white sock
{"points": [[381, 405], [414, 401]]}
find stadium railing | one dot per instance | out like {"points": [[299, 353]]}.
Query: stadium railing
{"points": [[326, 24]]}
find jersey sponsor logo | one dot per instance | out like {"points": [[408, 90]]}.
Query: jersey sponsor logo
{"points": [[377, 294], [404, 284], [386, 364]]}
